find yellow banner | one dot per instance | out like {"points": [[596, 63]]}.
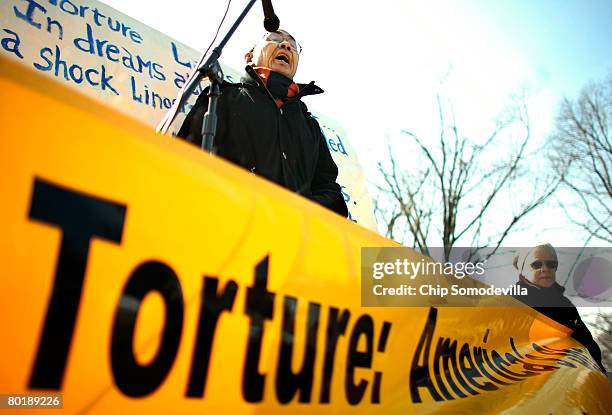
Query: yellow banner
{"points": [[143, 276]]}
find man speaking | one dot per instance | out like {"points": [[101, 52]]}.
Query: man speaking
{"points": [[264, 126]]}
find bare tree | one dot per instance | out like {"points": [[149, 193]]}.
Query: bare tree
{"points": [[582, 152], [603, 336], [462, 189]]}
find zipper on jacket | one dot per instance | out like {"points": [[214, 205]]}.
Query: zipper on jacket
{"points": [[257, 79]]}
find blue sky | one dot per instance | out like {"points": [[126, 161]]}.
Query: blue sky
{"points": [[567, 42]]}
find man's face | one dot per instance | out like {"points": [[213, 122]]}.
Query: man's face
{"points": [[277, 51]]}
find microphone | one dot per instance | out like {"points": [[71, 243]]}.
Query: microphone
{"points": [[271, 22]]}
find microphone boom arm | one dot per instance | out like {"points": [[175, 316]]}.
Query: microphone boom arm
{"points": [[212, 70]]}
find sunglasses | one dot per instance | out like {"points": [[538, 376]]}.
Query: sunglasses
{"points": [[540, 264]]}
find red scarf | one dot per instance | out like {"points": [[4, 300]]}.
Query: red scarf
{"points": [[292, 90]]}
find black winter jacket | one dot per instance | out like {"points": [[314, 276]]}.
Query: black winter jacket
{"points": [[553, 304], [284, 145]]}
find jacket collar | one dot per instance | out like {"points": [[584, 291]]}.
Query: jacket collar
{"points": [[554, 289], [251, 78]]}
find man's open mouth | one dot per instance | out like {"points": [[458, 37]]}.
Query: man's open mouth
{"points": [[282, 58]]}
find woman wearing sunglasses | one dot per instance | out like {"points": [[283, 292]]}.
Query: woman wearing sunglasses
{"points": [[537, 273]]}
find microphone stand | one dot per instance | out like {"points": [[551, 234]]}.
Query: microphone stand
{"points": [[212, 70]]}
